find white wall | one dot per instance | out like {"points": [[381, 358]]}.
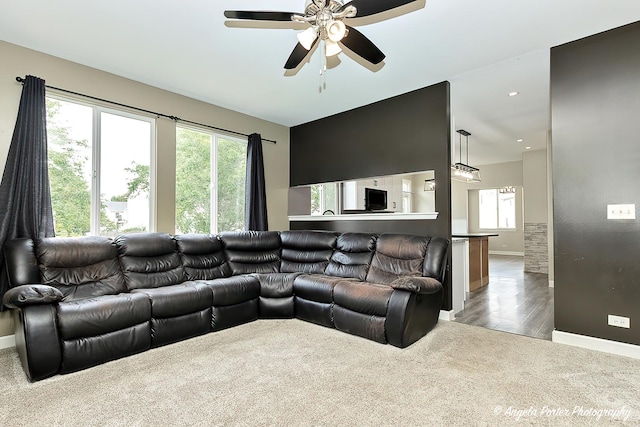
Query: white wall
{"points": [[423, 201], [17, 61], [534, 173], [493, 176], [531, 176], [459, 207]]}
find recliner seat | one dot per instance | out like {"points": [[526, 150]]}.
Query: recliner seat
{"points": [[84, 301]]}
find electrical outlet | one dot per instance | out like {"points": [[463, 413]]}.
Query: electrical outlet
{"points": [[626, 211], [619, 321]]}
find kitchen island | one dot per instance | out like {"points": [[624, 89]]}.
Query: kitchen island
{"points": [[478, 258]]}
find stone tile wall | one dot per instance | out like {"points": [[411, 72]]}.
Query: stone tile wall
{"points": [[536, 255]]}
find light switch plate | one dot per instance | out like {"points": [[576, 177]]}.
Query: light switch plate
{"points": [[625, 211], [618, 321]]}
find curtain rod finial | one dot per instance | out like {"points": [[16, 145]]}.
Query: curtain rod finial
{"points": [[19, 79]]}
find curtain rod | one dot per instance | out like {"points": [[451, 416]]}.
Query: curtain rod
{"points": [[177, 119]]}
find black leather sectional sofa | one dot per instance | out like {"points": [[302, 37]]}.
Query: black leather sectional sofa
{"points": [[84, 301]]}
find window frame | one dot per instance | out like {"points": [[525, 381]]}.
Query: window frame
{"points": [[497, 212], [323, 206], [213, 170], [96, 144], [407, 195]]}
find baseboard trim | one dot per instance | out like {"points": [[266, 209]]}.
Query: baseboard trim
{"points": [[599, 344], [447, 315], [552, 284], [506, 253], [7, 341]]}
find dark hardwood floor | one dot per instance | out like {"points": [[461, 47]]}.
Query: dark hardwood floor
{"points": [[513, 301]]}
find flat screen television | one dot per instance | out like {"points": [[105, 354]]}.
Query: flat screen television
{"points": [[374, 199]]}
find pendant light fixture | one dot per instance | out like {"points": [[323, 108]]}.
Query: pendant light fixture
{"points": [[462, 171]]}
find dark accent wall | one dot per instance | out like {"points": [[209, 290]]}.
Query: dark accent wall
{"points": [[407, 133], [595, 99]]}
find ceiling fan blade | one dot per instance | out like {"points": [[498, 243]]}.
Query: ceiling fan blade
{"points": [[371, 7], [259, 16], [297, 56], [362, 46]]}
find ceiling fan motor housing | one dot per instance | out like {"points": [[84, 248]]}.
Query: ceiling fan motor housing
{"points": [[312, 7]]}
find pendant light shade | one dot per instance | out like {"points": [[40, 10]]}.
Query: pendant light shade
{"points": [[332, 48], [307, 37], [336, 30]]}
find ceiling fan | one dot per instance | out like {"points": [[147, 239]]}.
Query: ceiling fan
{"points": [[326, 25]]}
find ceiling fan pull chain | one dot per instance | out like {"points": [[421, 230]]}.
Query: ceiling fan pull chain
{"points": [[323, 66]]}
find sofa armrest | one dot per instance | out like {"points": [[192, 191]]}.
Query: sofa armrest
{"points": [[24, 295], [419, 285]]}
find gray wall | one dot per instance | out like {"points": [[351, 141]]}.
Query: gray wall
{"points": [[595, 98], [407, 133], [18, 61]]}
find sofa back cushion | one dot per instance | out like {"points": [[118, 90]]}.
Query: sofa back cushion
{"points": [[252, 251], [397, 255], [306, 251], [80, 267], [149, 260], [352, 256], [203, 256]]}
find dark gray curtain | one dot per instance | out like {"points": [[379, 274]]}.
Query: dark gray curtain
{"points": [[25, 198], [255, 198]]}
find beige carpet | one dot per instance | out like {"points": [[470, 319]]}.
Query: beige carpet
{"points": [[289, 372]]}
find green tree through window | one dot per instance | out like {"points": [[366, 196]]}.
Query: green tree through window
{"points": [[86, 152], [210, 179], [71, 193]]}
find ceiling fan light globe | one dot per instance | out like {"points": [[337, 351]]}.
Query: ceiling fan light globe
{"points": [[331, 48], [307, 37], [336, 30]]}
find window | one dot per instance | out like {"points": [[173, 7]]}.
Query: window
{"points": [[497, 208], [324, 197], [99, 169], [210, 182], [407, 197]]}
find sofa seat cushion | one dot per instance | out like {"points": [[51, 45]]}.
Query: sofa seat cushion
{"points": [[176, 300], [362, 297], [315, 287], [101, 315], [276, 295], [233, 290], [276, 285]]}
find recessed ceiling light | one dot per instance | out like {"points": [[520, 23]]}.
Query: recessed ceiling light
{"points": [[527, 148], [514, 93], [520, 140]]}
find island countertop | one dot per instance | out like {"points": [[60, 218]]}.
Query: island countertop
{"points": [[472, 235]]}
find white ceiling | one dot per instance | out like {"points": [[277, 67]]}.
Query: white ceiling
{"points": [[484, 48]]}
